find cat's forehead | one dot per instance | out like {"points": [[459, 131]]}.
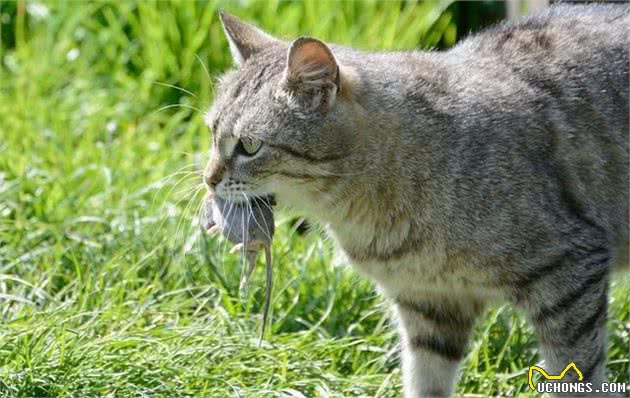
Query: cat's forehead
{"points": [[239, 89], [223, 82]]}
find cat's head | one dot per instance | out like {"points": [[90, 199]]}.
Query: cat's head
{"points": [[282, 121]]}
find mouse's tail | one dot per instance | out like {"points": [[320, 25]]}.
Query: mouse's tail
{"points": [[250, 263], [269, 285]]}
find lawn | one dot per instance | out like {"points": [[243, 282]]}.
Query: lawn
{"points": [[108, 287]]}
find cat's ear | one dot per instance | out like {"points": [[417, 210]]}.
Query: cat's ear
{"points": [[245, 40], [312, 72]]}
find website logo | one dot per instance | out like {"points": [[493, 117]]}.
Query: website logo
{"points": [[544, 386], [552, 377]]}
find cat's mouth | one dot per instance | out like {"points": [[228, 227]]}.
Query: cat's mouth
{"points": [[233, 197], [231, 200], [240, 196]]}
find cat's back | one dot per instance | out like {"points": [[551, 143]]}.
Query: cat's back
{"points": [[546, 100], [574, 45], [561, 30]]}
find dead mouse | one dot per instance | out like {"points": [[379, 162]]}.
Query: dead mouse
{"points": [[250, 226]]}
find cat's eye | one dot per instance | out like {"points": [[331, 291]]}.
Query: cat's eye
{"points": [[250, 145]]}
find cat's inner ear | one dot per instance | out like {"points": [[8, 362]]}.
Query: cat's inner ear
{"points": [[312, 70], [245, 40]]}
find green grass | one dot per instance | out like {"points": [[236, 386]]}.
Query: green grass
{"points": [[108, 287]]}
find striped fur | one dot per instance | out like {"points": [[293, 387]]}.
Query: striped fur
{"points": [[495, 171]]}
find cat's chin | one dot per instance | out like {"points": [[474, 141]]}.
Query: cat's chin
{"points": [[289, 201], [303, 206]]}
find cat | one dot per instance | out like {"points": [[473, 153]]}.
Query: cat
{"points": [[494, 171]]}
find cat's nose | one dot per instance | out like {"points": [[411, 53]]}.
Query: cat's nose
{"points": [[213, 176], [211, 180]]}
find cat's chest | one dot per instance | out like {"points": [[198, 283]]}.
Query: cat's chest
{"points": [[420, 269], [427, 272]]}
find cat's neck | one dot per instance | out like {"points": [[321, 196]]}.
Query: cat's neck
{"points": [[373, 217], [393, 202], [393, 170]]}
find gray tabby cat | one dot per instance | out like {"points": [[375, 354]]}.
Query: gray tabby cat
{"points": [[497, 170]]}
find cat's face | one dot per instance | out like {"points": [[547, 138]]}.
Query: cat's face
{"points": [[278, 123]]}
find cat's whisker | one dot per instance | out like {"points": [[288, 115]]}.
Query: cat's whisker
{"points": [[176, 205], [205, 69], [198, 250], [266, 230], [171, 192], [194, 227], [267, 205], [192, 240], [225, 243], [244, 228], [165, 107], [164, 180], [241, 246], [177, 172], [186, 210], [184, 167], [231, 206], [175, 87], [196, 218], [188, 190]]}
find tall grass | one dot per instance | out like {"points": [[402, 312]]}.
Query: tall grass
{"points": [[107, 285]]}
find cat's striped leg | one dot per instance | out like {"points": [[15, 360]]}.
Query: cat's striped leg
{"points": [[568, 307], [434, 333]]}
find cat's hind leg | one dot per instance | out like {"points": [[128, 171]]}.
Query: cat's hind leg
{"points": [[568, 307], [434, 333]]}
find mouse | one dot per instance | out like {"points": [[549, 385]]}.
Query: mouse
{"points": [[249, 224]]}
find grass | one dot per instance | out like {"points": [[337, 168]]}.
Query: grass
{"points": [[107, 285]]}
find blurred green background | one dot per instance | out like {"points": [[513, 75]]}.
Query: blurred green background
{"points": [[107, 285]]}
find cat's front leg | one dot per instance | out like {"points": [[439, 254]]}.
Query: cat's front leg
{"points": [[434, 334]]}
